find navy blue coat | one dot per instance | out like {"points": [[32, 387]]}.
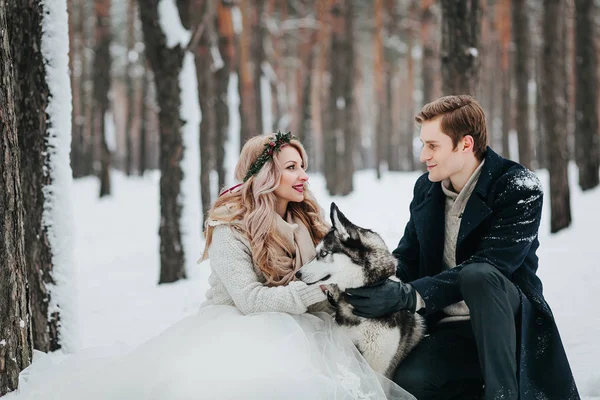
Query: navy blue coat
{"points": [[499, 226]]}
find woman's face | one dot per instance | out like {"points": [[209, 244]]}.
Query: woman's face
{"points": [[293, 176]]}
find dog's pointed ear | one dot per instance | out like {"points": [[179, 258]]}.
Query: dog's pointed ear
{"points": [[343, 228]]}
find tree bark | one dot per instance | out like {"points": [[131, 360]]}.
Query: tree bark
{"points": [[31, 100], [249, 97], [554, 114], [341, 100], [461, 25], [305, 130], [167, 64], [226, 37], [380, 82], [76, 67], [129, 83], [258, 58], [428, 44], [406, 139], [542, 148], [321, 86], [146, 81], [506, 112], [587, 146], [15, 335], [204, 12], [504, 28], [102, 63], [89, 130], [522, 34], [307, 58]]}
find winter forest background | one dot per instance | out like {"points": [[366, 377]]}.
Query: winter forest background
{"points": [[121, 121]]}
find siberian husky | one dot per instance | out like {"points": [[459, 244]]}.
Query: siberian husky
{"points": [[349, 257]]}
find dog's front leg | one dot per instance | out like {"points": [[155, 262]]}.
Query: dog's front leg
{"points": [[380, 346]]}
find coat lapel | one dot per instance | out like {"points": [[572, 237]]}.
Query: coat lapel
{"points": [[477, 209], [429, 220], [475, 213]]}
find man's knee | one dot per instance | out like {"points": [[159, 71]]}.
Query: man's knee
{"points": [[416, 381], [478, 278], [481, 283]]}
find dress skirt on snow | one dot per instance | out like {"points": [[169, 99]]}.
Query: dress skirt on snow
{"points": [[219, 353]]}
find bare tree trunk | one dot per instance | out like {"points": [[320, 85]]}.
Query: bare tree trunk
{"points": [[428, 42], [492, 88], [249, 97], [387, 22], [542, 148], [379, 71], [587, 146], [522, 46], [76, 66], [129, 83], [227, 50], [394, 138], [408, 163], [461, 25], [504, 28], [146, 81], [538, 59], [167, 63], [31, 98], [102, 63], [324, 88], [16, 344], [305, 131], [278, 49], [341, 99], [204, 12], [307, 56], [89, 130], [554, 115], [321, 88], [258, 58], [506, 112]]}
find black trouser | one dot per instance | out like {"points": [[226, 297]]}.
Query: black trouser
{"points": [[456, 358]]}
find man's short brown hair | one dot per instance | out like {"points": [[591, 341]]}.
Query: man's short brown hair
{"points": [[461, 115]]}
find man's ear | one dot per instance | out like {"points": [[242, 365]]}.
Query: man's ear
{"points": [[468, 143], [343, 228]]}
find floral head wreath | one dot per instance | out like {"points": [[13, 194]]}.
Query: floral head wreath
{"points": [[274, 145]]}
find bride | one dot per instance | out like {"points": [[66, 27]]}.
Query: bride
{"points": [[260, 334]]}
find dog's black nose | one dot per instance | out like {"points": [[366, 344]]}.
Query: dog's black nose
{"points": [[298, 274]]}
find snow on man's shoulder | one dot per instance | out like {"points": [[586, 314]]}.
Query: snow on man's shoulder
{"points": [[524, 179], [519, 184]]}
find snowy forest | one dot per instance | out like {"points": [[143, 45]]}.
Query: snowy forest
{"points": [[108, 105]]}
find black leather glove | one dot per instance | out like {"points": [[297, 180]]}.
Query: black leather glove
{"points": [[383, 298]]}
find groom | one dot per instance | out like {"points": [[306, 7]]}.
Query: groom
{"points": [[468, 253]]}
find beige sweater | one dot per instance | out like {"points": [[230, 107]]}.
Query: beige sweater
{"points": [[235, 281], [455, 206]]}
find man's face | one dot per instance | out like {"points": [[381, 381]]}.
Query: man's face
{"points": [[442, 159]]}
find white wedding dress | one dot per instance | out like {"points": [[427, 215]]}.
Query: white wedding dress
{"points": [[219, 353]]}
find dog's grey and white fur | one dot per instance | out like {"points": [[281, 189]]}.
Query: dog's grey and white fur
{"points": [[349, 257]]}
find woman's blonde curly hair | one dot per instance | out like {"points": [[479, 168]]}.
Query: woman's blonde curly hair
{"points": [[254, 205]]}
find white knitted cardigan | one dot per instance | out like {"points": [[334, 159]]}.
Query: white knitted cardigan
{"points": [[235, 281]]}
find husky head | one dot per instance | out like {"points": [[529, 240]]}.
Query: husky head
{"points": [[349, 256]]}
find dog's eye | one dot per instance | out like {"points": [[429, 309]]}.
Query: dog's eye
{"points": [[323, 253]]}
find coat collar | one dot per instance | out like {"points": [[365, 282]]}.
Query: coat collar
{"points": [[429, 215], [491, 170]]}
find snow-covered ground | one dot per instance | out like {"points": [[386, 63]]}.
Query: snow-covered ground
{"points": [[117, 261]]}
